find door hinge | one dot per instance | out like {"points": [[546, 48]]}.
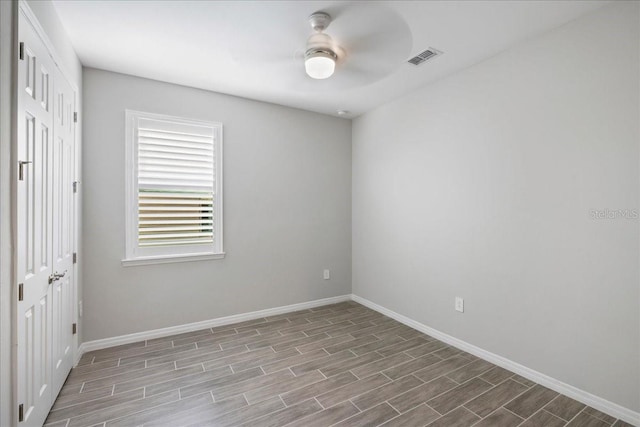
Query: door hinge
{"points": [[75, 257], [20, 413], [21, 51], [20, 291], [75, 117], [75, 186], [74, 328], [21, 165]]}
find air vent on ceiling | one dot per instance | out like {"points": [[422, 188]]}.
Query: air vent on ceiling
{"points": [[424, 56]]}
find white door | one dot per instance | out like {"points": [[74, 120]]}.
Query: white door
{"points": [[44, 225], [63, 230], [34, 226]]}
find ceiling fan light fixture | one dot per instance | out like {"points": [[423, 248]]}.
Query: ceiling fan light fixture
{"points": [[320, 57], [320, 63]]}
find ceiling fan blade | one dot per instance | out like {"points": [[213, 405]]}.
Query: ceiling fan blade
{"points": [[373, 37], [250, 55]]}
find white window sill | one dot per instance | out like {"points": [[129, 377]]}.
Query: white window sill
{"points": [[166, 259]]}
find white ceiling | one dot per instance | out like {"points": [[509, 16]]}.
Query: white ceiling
{"points": [[253, 48]]}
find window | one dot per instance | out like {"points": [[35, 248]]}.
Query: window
{"points": [[174, 189]]}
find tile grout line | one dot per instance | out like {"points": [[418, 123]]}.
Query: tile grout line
{"points": [[554, 415], [493, 388], [490, 413], [104, 423], [532, 415], [510, 411]]}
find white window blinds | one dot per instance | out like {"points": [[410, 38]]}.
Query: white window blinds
{"points": [[176, 170], [176, 191]]}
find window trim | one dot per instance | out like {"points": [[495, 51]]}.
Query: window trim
{"points": [[133, 256]]}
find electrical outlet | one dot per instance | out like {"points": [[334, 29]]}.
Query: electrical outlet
{"points": [[459, 306], [326, 274]]}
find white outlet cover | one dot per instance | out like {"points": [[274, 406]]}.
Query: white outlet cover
{"points": [[326, 274], [459, 304]]}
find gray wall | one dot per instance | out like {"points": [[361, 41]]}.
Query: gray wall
{"points": [[481, 186], [287, 210]]}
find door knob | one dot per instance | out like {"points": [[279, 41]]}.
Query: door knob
{"points": [[55, 276]]}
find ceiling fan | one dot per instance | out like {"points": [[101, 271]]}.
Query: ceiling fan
{"points": [[351, 44]]}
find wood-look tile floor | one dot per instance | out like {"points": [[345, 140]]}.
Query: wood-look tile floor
{"points": [[342, 365]]}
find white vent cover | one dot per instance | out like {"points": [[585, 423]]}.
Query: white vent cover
{"points": [[424, 56]]}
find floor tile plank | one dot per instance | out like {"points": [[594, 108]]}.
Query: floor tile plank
{"points": [[387, 391], [459, 395], [419, 416], [491, 400], [371, 417], [95, 405], [380, 365], [583, 419], [422, 394], [254, 395], [460, 417], [163, 412], [352, 390], [543, 418], [198, 413], [122, 409], [238, 387], [244, 414], [496, 375], [327, 416], [316, 389], [564, 407], [410, 367], [500, 418], [287, 415], [529, 402]]}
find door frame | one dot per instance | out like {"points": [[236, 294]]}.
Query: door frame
{"points": [[23, 10], [8, 117]]}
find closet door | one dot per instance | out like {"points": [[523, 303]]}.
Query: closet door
{"points": [[63, 231], [34, 227]]}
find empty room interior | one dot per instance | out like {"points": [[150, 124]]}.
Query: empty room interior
{"points": [[319, 213]]}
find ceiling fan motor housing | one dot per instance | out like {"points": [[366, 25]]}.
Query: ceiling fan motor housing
{"points": [[321, 44], [319, 21]]}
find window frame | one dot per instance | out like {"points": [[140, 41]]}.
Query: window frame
{"points": [[136, 255]]}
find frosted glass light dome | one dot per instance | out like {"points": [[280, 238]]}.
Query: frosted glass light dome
{"points": [[319, 65]]}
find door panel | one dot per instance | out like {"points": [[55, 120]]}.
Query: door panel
{"points": [[34, 223], [63, 230]]}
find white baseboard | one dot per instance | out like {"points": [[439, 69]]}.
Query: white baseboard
{"points": [[596, 402], [190, 327]]}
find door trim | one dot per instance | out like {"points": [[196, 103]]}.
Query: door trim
{"points": [[8, 290]]}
